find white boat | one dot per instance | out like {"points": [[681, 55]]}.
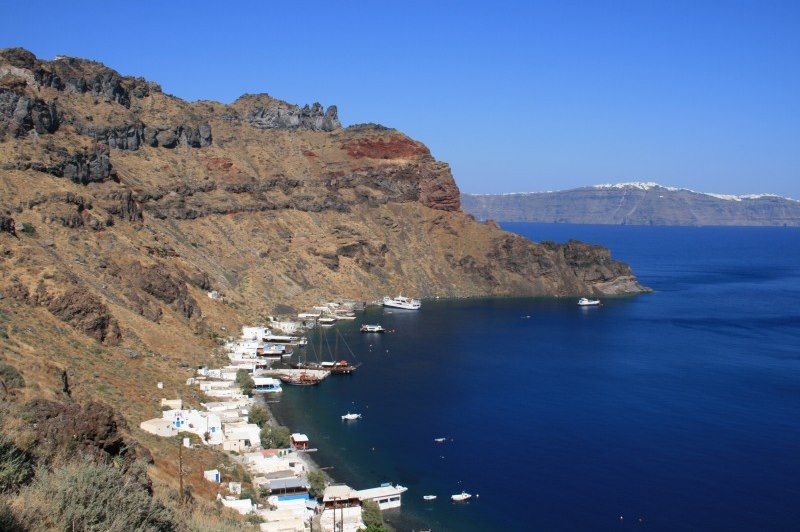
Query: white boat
{"points": [[460, 497], [429, 497], [350, 417], [440, 440], [372, 328], [583, 302], [402, 302]]}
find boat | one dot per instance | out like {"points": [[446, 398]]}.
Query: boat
{"points": [[440, 440], [307, 365], [327, 321], [461, 497], [302, 379], [402, 302], [345, 316], [350, 417], [372, 328], [343, 367], [429, 497], [584, 302], [266, 385]]}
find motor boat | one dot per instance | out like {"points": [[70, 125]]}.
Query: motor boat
{"points": [[461, 497], [584, 302], [440, 440], [402, 302], [429, 497], [326, 321], [372, 329], [350, 417]]}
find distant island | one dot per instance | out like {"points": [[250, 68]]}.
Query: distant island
{"points": [[635, 204]]}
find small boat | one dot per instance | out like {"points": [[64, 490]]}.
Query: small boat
{"points": [[440, 440], [402, 302], [584, 302], [372, 328], [429, 497], [461, 497], [350, 417], [345, 316], [327, 321]]}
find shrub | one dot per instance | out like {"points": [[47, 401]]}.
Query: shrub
{"points": [[245, 381], [93, 497], [11, 376], [7, 519], [371, 514], [275, 437], [258, 414], [16, 466], [317, 481]]}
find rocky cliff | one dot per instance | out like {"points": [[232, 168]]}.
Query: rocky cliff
{"points": [[121, 206], [635, 204]]}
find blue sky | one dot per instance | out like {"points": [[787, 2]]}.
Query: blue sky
{"points": [[515, 96]]}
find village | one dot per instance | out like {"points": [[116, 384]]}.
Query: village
{"points": [[290, 502]]}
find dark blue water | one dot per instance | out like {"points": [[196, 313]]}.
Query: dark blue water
{"points": [[677, 410]]}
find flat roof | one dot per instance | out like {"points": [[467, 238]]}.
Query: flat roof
{"points": [[288, 483], [339, 491], [299, 437], [382, 491]]}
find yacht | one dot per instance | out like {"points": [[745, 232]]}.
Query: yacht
{"points": [[350, 417], [460, 497], [429, 497], [584, 302], [403, 302], [326, 321], [372, 329]]}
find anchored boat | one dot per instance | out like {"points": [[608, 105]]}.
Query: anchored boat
{"points": [[372, 329], [461, 497], [402, 302], [584, 302], [350, 417]]}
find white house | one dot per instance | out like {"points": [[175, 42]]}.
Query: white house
{"points": [[243, 506], [212, 475], [254, 333], [241, 436], [196, 422]]}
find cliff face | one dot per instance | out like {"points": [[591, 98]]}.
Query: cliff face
{"points": [[635, 204], [121, 206]]}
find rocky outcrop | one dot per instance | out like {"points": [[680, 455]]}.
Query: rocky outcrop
{"points": [[91, 428], [83, 311], [284, 116], [165, 287], [132, 136], [7, 224], [20, 114]]}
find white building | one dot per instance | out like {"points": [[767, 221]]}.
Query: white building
{"points": [[254, 333], [241, 437], [196, 422], [243, 506], [213, 475]]}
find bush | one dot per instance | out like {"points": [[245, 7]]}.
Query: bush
{"points": [[7, 519], [245, 382], [11, 376], [28, 229], [275, 437], [16, 466], [258, 414], [318, 482], [93, 497]]}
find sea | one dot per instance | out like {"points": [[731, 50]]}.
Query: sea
{"points": [[673, 410]]}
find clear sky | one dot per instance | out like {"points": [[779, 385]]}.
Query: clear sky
{"points": [[515, 96]]}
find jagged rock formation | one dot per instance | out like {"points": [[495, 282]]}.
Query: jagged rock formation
{"points": [[635, 204]]}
